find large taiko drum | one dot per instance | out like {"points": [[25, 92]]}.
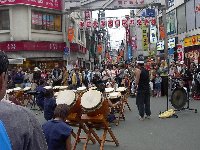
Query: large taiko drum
{"points": [[179, 98], [93, 103], [114, 97], [81, 90], [69, 97], [122, 90]]}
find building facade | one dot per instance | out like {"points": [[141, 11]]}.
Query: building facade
{"points": [[34, 33]]}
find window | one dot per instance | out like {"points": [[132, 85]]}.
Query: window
{"points": [[46, 21], [4, 20], [181, 18], [171, 22]]}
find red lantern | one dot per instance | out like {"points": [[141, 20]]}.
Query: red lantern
{"points": [[103, 24], [81, 24], [124, 23], [117, 23], [131, 21], [146, 22], [110, 23], [88, 23], [95, 24], [153, 22], [139, 22]]}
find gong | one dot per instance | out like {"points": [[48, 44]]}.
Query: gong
{"points": [[179, 98]]}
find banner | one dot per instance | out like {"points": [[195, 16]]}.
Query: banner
{"points": [[144, 38], [117, 23], [50, 4], [153, 35], [70, 35], [162, 32]]}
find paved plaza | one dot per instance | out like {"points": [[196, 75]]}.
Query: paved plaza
{"points": [[182, 133]]}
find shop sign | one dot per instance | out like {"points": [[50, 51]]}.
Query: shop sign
{"points": [[160, 45], [180, 52], [191, 41], [144, 38], [31, 46], [193, 54], [153, 34], [171, 44], [51, 4]]}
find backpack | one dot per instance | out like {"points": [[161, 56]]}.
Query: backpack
{"points": [[4, 139]]}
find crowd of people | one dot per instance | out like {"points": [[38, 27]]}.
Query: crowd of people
{"points": [[110, 75], [140, 78]]}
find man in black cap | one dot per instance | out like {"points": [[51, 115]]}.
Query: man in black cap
{"points": [[143, 89]]}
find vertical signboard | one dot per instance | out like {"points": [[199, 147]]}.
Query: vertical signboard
{"points": [[144, 38]]}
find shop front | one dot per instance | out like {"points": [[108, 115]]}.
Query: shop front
{"points": [[192, 49], [30, 53], [78, 55]]}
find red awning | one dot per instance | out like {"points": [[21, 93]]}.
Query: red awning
{"points": [[10, 46]]}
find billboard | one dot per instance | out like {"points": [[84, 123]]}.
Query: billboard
{"points": [[50, 4]]}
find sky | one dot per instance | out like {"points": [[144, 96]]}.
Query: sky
{"points": [[116, 34]]}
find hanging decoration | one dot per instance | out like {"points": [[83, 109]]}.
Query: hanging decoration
{"points": [[131, 21], [153, 22], [95, 24], [102, 24], [81, 24], [125, 23], [70, 34], [139, 22], [117, 23], [110, 23], [99, 48], [88, 24], [146, 22]]}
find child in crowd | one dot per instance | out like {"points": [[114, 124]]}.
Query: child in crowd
{"points": [[57, 132], [158, 81], [49, 104]]}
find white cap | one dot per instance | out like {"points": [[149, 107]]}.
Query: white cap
{"points": [[36, 69], [182, 62]]}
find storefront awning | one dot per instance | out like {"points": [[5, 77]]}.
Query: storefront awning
{"points": [[16, 61]]}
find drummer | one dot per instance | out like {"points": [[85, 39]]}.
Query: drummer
{"points": [[49, 104], [56, 131]]}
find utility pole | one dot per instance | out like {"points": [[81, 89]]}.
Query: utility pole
{"points": [[164, 12], [164, 18]]}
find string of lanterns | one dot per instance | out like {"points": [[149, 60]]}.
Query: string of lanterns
{"points": [[117, 23]]}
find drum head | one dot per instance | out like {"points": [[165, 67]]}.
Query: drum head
{"points": [[81, 88], [91, 99], [179, 98], [121, 89], [66, 97], [114, 95], [108, 90]]}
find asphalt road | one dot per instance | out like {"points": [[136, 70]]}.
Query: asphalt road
{"points": [[182, 133]]}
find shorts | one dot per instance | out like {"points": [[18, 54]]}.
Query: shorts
{"points": [[158, 86]]}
